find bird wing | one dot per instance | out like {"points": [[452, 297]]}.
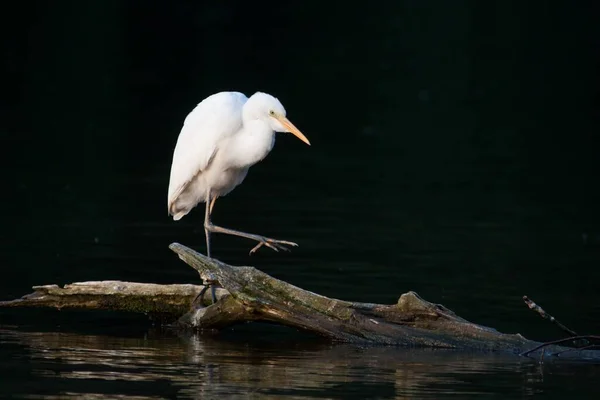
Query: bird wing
{"points": [[213, 119]]}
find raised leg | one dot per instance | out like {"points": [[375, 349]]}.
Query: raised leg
{"points": [[212, 204], [262, 240]]}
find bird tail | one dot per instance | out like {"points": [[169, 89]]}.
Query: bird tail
{"points": [[179, 215], [177, 212]]}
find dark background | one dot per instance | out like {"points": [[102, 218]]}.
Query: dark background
{"points": [[455, 147]]}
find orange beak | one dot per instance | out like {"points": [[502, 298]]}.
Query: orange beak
{"points": [[292, 129]]}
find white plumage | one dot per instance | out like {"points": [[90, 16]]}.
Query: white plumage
{"points": [[220, 140], [204, 131]]}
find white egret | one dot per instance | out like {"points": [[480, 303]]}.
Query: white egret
{"points": [[220, 140]]}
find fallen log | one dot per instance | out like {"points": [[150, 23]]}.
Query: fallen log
{"points": [[247, 294], [163, 303]]}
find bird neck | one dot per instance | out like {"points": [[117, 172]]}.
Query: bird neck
{"points": [[251, 144]]}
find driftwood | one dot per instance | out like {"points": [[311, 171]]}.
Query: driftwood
{"points": [[163, 303], [247, 294]]}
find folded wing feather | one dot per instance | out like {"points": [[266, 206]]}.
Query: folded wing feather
{"points": [[214, 119]]}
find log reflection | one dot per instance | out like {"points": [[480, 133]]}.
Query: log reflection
{"points": [[198, 366]]}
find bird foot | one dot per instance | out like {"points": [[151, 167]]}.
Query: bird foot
{"points": [[199, 299], [273, 244]]}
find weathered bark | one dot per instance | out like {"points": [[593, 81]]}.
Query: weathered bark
{"points": [[161, 302], [247, 294], [411, 322]]}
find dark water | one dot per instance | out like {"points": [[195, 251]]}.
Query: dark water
{"points": [[158, 365], [455, 153]]}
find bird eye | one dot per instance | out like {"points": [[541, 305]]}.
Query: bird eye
{"points": [[271, 112]]}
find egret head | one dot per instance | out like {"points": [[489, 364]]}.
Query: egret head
{"points": [[270, 110]]}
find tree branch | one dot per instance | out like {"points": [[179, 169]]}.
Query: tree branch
{"points": [[533, 306]]}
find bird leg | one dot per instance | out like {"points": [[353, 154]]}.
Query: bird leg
{"points": [[207, 212], [212, 204], [262, 240], [274, 244], [209, 206]]}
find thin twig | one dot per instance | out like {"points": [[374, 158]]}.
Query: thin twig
{"points": [[531, 304], [559, 341], [590, 347]]}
